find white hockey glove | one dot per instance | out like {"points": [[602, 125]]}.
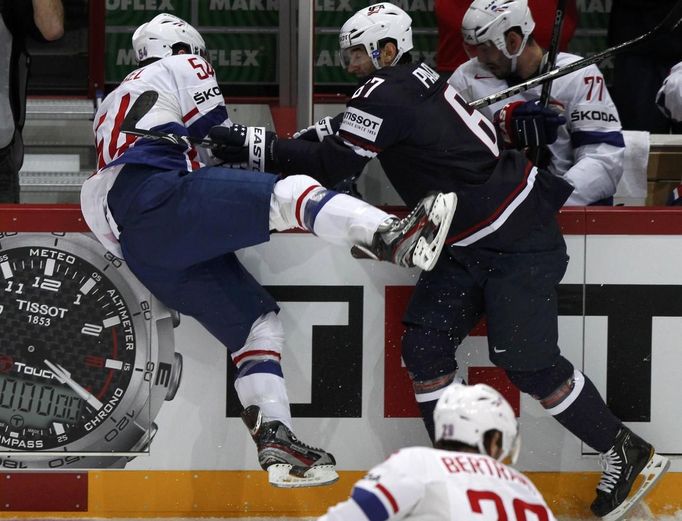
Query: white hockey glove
{"points": [[317, 131], [244, 147]]}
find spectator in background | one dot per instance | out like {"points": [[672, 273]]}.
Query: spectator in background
{"points": [[42, 20], [649, 64], [451, 51]]}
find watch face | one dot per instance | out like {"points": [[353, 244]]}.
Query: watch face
{"points": [[70, 343]]}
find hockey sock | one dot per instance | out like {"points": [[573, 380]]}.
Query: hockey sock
{"points": [[299, 201], [345, 220], [266, 390], [260, 380], [583, 412], [427, 409]]}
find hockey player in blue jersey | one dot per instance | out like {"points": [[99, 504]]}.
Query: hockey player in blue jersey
{"points": [[505, 253], [177, 221]]}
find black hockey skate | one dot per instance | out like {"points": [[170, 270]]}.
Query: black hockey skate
{"points": [[416, 240], [629, 457], [289, 462]]}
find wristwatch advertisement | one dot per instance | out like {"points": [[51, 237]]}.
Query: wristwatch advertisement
{"points": [[87, 355]]}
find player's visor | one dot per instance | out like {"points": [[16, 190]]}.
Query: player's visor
{"points": [[352, 55]]}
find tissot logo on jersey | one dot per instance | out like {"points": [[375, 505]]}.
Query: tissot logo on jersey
{"points": [[361, 124]]}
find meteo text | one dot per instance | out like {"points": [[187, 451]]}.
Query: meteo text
{"points": [[52, 254]]}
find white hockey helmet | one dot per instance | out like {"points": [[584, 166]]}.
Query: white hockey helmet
{"points": [[464, 413], [489, 20], [371, 25], [156, 38]]}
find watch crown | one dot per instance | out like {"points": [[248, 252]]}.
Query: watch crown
{"points": [[176, 375]]}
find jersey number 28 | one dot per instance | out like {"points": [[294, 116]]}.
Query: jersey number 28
{"points": [[521, 508]]}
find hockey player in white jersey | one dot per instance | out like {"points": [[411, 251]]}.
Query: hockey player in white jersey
{"points": [[463, 477], [177, 221], [589, 149]]}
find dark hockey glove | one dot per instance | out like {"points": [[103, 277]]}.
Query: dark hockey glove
{"points": [[348, 186], [239, 146], [524, 124], [318, 131]]}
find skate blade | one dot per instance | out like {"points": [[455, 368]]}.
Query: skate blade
{"points": [[426, 253], [279, 475], [657, 466]]}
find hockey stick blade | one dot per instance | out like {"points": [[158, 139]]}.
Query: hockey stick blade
{"points": [[670, 23], [142, 105]]}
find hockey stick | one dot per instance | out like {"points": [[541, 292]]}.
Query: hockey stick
{"points": [[540, 152], [668, 24], [553, 50], [142, 105]]}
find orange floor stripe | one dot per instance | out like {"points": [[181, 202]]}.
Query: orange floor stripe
{"points": [[128, 493]]}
